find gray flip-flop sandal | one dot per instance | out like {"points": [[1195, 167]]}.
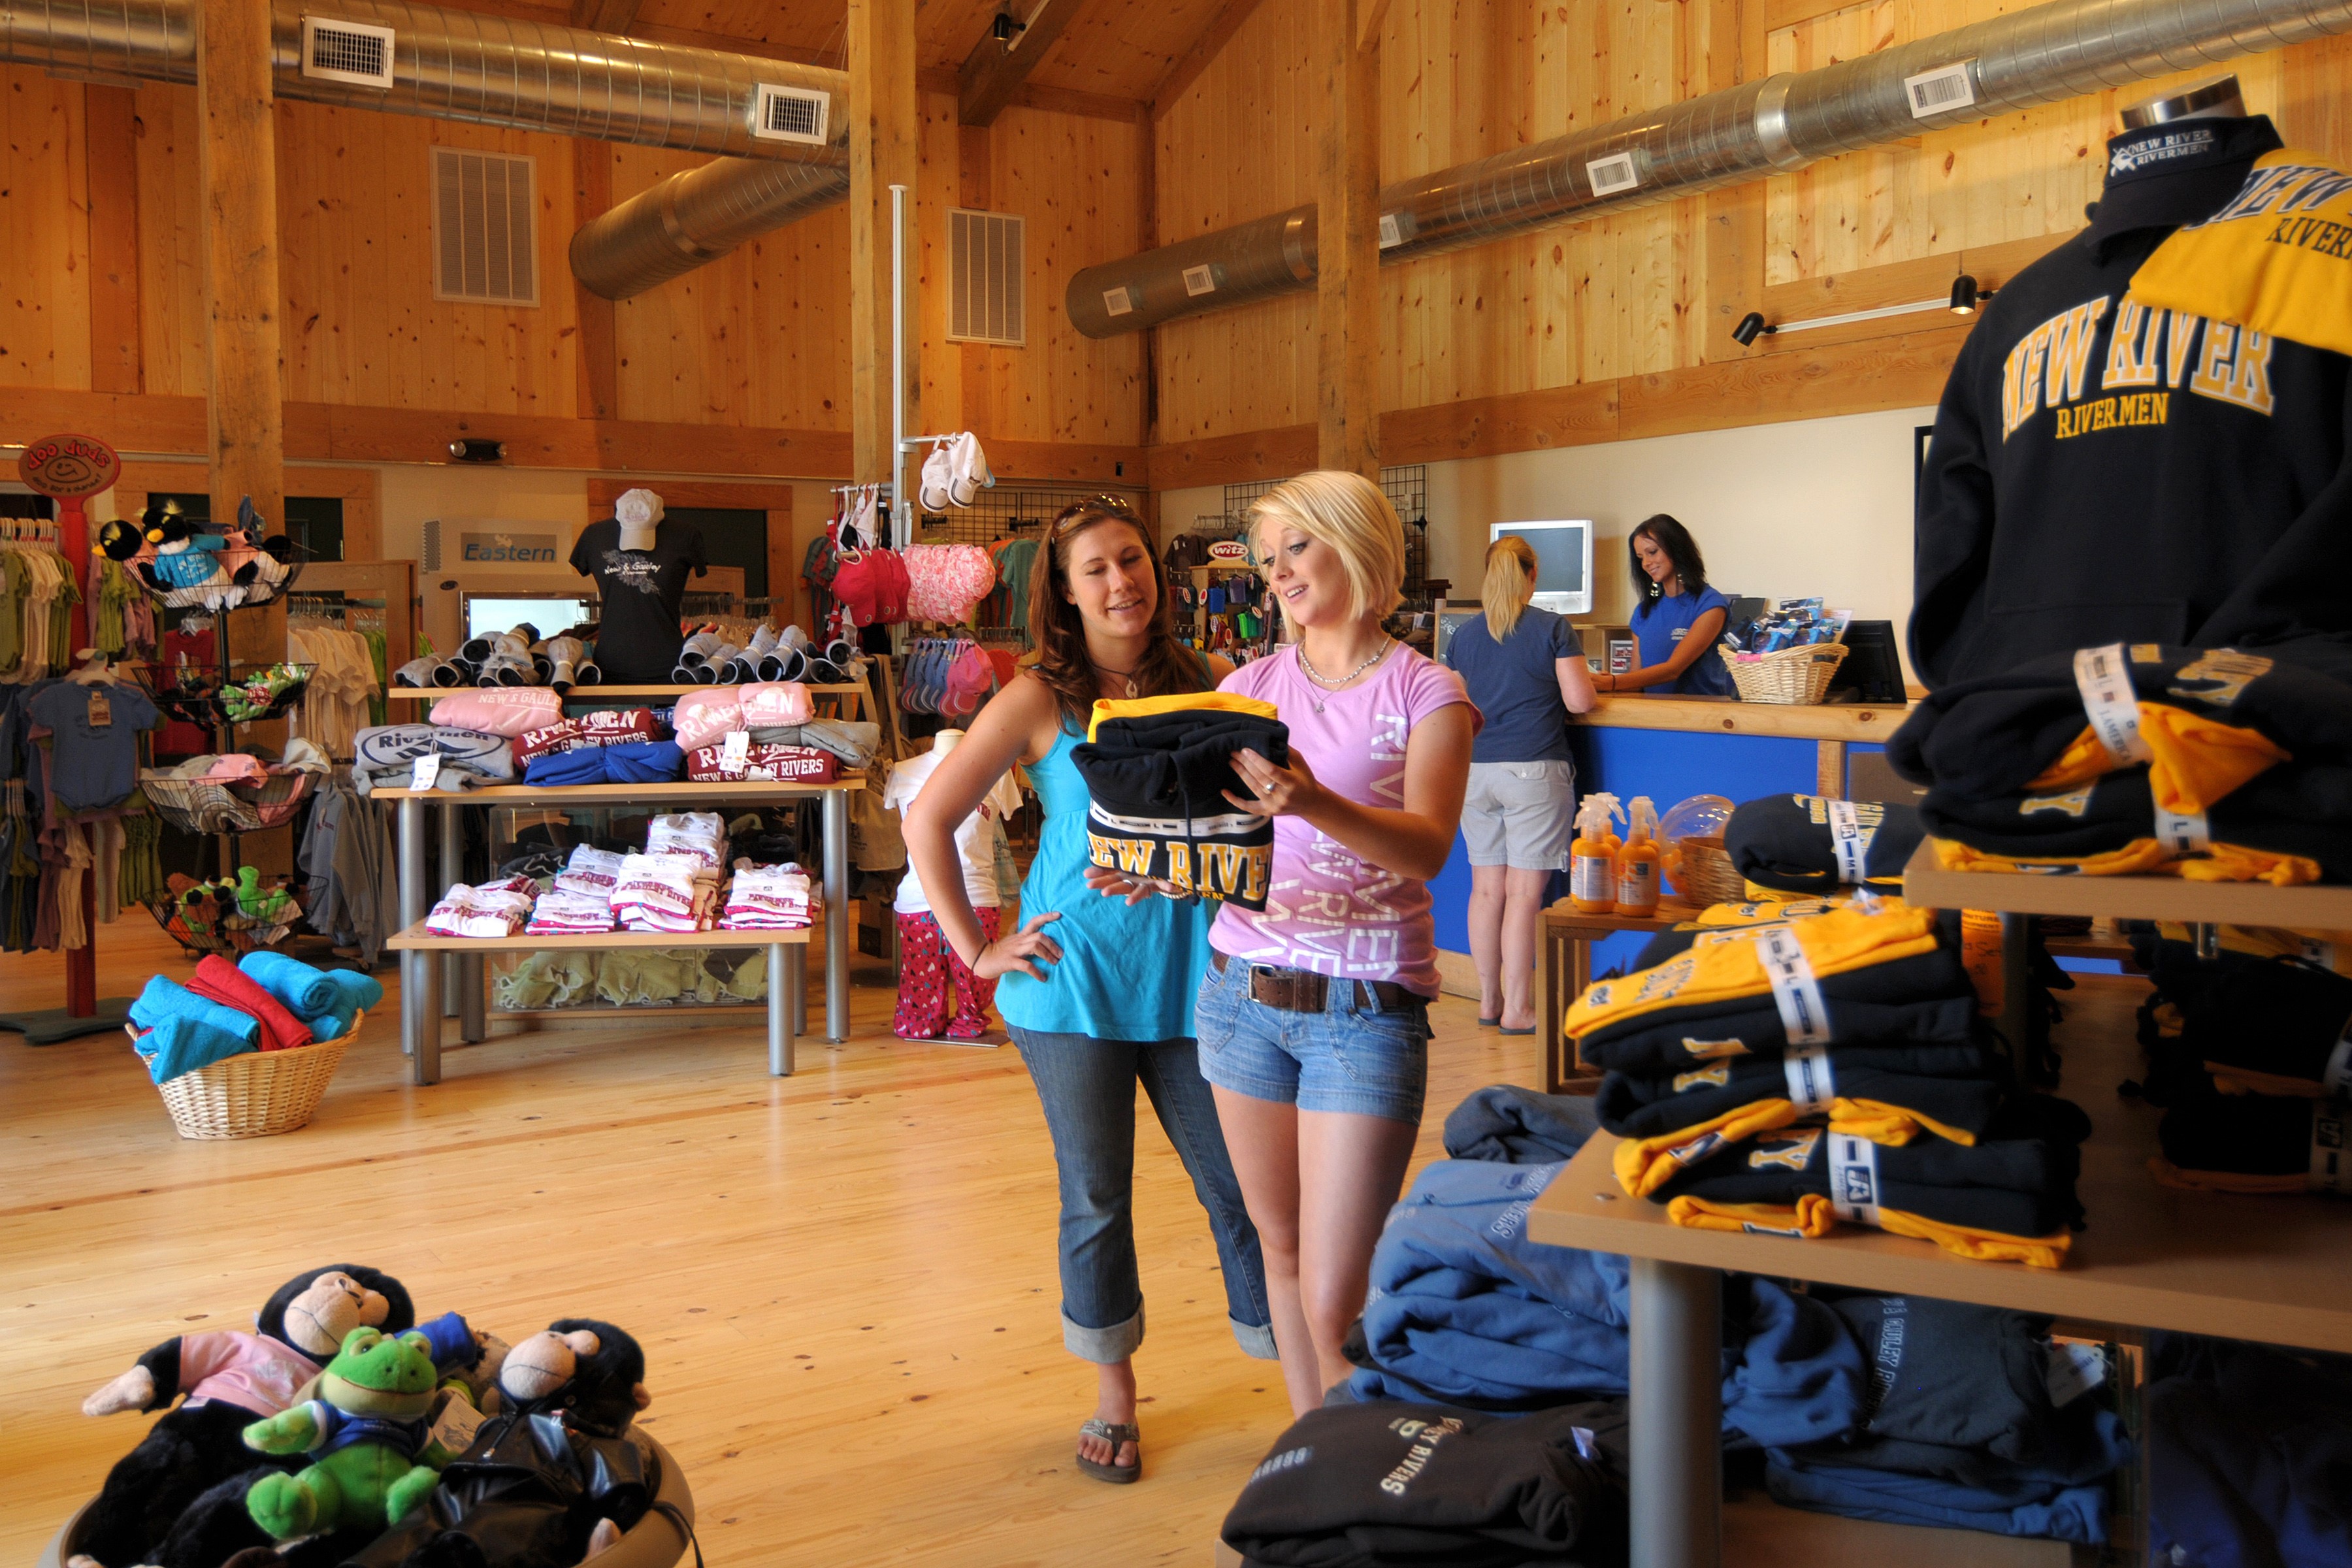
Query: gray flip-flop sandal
{"points": [[1125, 1432]]}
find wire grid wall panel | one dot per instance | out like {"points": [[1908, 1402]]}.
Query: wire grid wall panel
{"points": [[1006, 511], [1407, 488]]}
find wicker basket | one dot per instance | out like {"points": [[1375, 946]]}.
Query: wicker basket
{"points": [[1703, 873], [1795, 675], [256, 1093], [207, 806]]}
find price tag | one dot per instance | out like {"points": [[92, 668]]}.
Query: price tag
{"points": [[102, 709], [2338, 1075], [1804, 1016], [1853, 1178], [426, 773], [2076, 1369], [1813, 1082], [1845, 833], [735, 750], [2330, 1172], [2109, 702]]}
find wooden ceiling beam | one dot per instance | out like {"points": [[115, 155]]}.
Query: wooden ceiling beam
{"points": [[1189, 64], [696, 38], [1031, 95], [604, 16], [992, 73]]}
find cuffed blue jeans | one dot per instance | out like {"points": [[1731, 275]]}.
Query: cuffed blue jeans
{"points": [[1087, 1089]]}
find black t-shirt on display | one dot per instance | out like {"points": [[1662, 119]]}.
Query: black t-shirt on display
{"points": [[641, 589]]}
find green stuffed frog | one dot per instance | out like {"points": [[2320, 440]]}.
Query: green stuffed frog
{"points": [[366, 1428]]}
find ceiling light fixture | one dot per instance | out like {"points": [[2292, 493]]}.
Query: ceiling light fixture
{"points": [[1962, 301]]}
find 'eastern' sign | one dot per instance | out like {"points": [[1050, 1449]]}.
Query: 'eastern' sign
{"points": [[508, 549]]}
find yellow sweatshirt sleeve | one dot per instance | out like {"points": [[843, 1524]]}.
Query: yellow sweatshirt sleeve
{"points": [[2196, 761]]}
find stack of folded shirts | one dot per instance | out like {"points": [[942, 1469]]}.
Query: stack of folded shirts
{"points": [[566, 912], [498, 909], [2249, 1448], [614, 761], [1975, 1419], [2249, 1051], [500, 710], [666, 892], [768, 898], [854, 742], [1783, 1077], [1807, 844], [2209, 763], [386, 755], [704, 718], [762, 763], [701, 836], [590, 873], [585, 731]]}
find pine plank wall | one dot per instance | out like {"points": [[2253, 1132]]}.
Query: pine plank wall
{"points": [[1611, 328]]}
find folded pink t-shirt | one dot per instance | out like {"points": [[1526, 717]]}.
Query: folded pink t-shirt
{"points": [[1327, 910], [500, 710]]}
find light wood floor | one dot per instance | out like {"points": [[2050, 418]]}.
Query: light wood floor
{"points": [[844, 1281]]}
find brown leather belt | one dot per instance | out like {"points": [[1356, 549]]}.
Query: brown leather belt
{"points": [[1301, 991]]}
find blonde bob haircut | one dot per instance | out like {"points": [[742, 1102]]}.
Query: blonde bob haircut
{"points": [[1348, 512], [1510, 574]]}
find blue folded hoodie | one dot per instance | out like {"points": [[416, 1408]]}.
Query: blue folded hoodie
{"points": [[631, 761], [2049, 1509]]}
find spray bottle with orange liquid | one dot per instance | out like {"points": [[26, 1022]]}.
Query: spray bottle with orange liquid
{"points": [[1637, 862], [1592, 858]]}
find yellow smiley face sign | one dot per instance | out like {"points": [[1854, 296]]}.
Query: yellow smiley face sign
{"points": [[68, 466]]}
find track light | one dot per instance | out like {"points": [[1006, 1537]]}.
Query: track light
{"points": [[472, 451], [1004, 28], [1963, 301], [1751, 327], [1967, 296]]}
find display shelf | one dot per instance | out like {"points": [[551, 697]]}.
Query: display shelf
{"points": [[1729, 716], [1760, 1532], [416, 938], [606, 794], [594, 693], [1925, 883], [2273, 1269]]}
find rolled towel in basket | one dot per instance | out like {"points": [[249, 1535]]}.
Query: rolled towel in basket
{"points": [[353, 992], [164, 999], [307, 992], [218, 980]]}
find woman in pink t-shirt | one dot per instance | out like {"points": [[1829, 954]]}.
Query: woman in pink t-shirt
{"points": [[1313, 1019]]}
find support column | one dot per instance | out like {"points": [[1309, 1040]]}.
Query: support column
{"points": [[1348, 235], [1675, 1415], [244, 405], [883, 109]]}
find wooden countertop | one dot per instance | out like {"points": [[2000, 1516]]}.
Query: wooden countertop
{"points": [[1727, 716], [2277, 1270]]}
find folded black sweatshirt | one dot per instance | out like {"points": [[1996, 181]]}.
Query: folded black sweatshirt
{"points": [[1962, 1103], [2276, 1026], [1788, 843], [1925, 1000], [2294, 809], [1375, 1486], [1991, 737], [2257, 1143], [1157, 768]]}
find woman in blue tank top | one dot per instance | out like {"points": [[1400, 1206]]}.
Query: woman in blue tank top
{"points": [[1096, 992]]}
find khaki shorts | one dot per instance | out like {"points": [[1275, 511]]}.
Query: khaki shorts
{"points": [[1521, 814]]}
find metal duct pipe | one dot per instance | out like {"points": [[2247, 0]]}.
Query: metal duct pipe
{"points": [[696, 217], [1784, 122], [466, 66]]}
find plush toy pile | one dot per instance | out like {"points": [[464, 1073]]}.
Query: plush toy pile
{"points": [[266, 1002], [341, 1432]]}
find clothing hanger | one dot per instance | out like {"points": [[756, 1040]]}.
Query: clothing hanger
{"points": [[96, 668]]}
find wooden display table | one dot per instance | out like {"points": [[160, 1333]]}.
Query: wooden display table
{"points": [[2277, 1270], [787, 965], [420, 964]]}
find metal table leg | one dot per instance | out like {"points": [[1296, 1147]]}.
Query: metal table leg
{"points": [[453, 871], [420, 972], [780, 1011], [472, 1027], [1676, 1415], [836, 914], [2028, 1044], [798, 958]]}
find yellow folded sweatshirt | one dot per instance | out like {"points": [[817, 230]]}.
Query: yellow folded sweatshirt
{"points": [[1812, 1215], [2196, 761], [1646, 1165], [2151, 856], [1106, 709], [1725, 967]]}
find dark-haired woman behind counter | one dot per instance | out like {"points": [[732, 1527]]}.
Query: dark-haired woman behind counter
{"points": [[1677, 619]]}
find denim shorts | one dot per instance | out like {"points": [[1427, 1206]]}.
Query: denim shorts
{"points": [[1354, 1057]]}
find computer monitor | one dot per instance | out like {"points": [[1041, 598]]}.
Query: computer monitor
{"points": [[1563, 562]]}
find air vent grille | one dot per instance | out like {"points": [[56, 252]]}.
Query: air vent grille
{"points": [[432, 551], [791, 114], [346, 51], [987, 278], [484, 228]]}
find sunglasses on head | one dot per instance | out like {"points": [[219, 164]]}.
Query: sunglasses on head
{"points": [[1117, 506]]}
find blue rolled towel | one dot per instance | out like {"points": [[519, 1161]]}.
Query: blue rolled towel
{"points": [[165, 1000], [359, 990], [182, 1043], [307, 992], [352, 992]]}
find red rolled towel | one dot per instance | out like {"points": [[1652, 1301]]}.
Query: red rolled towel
{"points": [[220, 981]]}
